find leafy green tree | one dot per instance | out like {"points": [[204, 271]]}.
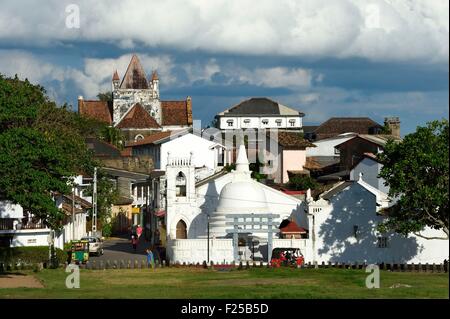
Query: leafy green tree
{"points": [[105, 96], [417, 172], [112, 136], [302, 182], [41, 149]]}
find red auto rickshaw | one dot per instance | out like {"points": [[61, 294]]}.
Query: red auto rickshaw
{"points": [[287, 257]]}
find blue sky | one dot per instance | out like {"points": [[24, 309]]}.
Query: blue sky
{"points": [[372, 58]]}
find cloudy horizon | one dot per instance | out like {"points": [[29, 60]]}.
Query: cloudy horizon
{"points": [[325, 58]]}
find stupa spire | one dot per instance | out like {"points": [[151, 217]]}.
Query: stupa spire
{"points": [[242, 164]]}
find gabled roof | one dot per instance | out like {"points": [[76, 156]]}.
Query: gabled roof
{"points": [[338, 125], [176, 112], [102, 149], [369, 156], [134, 77], [293, 141], [379, 140], [381, 197], [138, 117], [100, 110], [292, 228], [150, 139], [336, 189], [260, 106]]}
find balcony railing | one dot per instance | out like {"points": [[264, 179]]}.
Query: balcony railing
{"points": [[6, 223], [32, 225]]}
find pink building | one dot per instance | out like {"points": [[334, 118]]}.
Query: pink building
{"points": [[290, 157]]}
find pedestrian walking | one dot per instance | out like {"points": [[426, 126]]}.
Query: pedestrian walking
{"points": [[139, 231], [150, 257], [134, 242]]}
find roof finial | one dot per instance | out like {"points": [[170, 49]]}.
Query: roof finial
{"points": [[116, 76], [360, 176], [155, 75]]}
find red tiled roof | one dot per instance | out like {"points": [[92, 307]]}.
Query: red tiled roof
{"points": [[293, 141], [292, 227], [134, 77], [99, 110], [339, 125], [138, 117], [151, 138], [176, 112]]}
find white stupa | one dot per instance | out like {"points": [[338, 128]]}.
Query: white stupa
{"points": [[242, 195]]}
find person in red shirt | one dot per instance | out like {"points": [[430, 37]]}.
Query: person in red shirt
{"points": [[139, 231]]}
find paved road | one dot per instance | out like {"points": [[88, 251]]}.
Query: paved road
{"points": [[120, 248]]}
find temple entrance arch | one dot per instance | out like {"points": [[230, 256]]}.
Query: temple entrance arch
{"points": [[249, 224]]}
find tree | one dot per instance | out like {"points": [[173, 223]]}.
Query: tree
{"points": [[42, 147], [105, 96], [302, 182], [112, 135], [416, 170]]}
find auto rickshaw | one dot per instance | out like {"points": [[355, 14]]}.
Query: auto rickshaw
{"points": [[80, 251], [288, 257]]}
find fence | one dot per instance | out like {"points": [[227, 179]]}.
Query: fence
{"points": [[141, 264]]}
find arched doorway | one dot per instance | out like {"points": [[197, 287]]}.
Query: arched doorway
{"points": [[181, 230]]}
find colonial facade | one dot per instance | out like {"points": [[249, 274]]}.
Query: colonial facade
{"points": [[260, 113], [136, 107]]}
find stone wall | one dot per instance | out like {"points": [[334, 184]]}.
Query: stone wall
{"points": [[141, 164], [124, 99]]}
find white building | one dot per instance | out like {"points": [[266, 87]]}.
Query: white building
{"points": [[370, 168], [207, 156], [326, 147], [21, 229], [341, 224], [260, 113], [342, 227], [189, 204]]}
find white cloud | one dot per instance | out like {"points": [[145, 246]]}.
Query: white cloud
{"points": [[381, 30], [95, 77]]}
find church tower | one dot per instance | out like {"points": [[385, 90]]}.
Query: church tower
{"points": [[135, 89]]}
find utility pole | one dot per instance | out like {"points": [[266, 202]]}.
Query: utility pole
{"points": [[73, 213], [94, 203], [208, 239]]}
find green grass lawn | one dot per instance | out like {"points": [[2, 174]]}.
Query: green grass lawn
{"points": [[252, 283]]}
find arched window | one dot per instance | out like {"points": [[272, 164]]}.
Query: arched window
{"points": [[181, 230], [180, 185], [138, 137]]}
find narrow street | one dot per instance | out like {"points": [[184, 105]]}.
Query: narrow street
{"points": [[120, 248]]}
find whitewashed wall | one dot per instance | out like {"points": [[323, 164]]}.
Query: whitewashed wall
{"points": [[335, 240], [257, 122], [195, 250], [203, 155], [326, 147], [30, 238], [370, 170]]}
